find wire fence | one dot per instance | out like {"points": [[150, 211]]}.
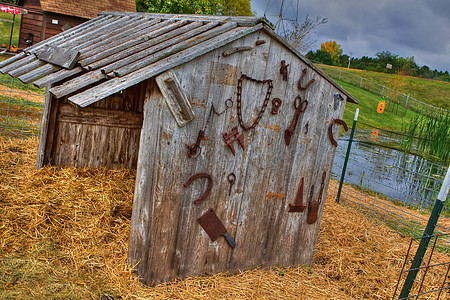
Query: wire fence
{"points": [[20, 108], [439, 288], [396, 188], [396, 102]]}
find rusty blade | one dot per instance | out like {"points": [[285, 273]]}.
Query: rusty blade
{"points": [[214, 227]]}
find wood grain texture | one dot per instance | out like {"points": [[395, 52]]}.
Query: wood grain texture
{"points": [[104, 135], [166, 242]]}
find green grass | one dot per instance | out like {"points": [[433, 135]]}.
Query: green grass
{"points": [[5, 29], [432, 92], [368, 115]]}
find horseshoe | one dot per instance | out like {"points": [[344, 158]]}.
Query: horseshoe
{"points": [[299, 84], [330, 129], [208, 189]]}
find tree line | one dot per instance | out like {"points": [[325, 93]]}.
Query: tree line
{"points": [[330, 53]]}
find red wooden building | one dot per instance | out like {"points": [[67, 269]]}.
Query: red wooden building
{"points": [[47, 18]]}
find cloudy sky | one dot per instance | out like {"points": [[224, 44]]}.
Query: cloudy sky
{"points": [[419, 28]]}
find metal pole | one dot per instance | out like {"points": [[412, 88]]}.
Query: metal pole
{"points": [[344, 168], [12, 29], [439, 204]]}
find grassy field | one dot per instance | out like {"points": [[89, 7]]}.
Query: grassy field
{"points": [[436, 93], [5, 29]]}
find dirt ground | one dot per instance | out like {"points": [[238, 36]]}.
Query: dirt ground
{"points": [[64, 234]]}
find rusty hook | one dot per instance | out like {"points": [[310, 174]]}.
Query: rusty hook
{"points": [[299, 84], [208, 189], [330, 129]]}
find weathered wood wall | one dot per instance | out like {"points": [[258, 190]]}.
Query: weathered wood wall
{"points": [[165, 239], [105, 134], [40, 25]]}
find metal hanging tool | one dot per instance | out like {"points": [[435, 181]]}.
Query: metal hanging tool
{"points": [[298, 205], [276, 103], [330, 129], [214, 227], [299, 84], [231, 179], [208, 189], [229, 142], [299, 108], [313, 207]]}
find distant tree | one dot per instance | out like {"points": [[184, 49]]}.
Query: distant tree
{"points": [[9, 1], [302, 36], [333, 48], [387, 57], [207, 7], [323, 57]]}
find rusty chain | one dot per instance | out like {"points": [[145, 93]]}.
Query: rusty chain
{"points": [[239, 104]]}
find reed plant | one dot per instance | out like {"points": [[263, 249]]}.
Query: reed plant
{"points": [[428, 135]]}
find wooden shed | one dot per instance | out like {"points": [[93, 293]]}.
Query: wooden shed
{"points": [[231, 129], [46, 18]]}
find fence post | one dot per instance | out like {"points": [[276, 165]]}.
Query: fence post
{"points": [[432, 221], [344, 167]]}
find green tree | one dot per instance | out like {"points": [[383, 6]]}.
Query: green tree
{"points": [[207, 7], [320, 56], [333, 48]]}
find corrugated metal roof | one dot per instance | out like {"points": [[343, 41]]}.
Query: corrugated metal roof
{"points": [[120, 49]]}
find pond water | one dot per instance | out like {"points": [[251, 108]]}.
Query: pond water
{"points": [[404, 177]]}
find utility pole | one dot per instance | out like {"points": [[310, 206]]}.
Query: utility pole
{"points": [[349, 60]]}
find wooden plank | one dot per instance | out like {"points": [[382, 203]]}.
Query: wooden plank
{"points": [[56, 77], [125, 31], [242, 21], [38, 73], [174, 45], [26, 68], [141, 221], [59, 56], [146, 41], [77, 83], [11, 60], [102, 29], [175, 98], [67, 113], [132, 38], [51, 131], [43, 131], [86, 26], [16, 61], [117, 84]]}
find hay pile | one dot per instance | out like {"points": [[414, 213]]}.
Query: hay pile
{"points": [[64, 234]]}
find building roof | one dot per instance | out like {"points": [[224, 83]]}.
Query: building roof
{"points": [[86, 8], [118, 50]]}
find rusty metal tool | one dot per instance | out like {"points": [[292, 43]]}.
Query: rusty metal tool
{"points": [[306, 127], [313, 207], [283, 70], [194, 148], [208, 189], [231, 179], [239, 100], [330, 129], [214, 227], [276, 103], [229, 142], [298, 205], [299, 108], [299, 84]]}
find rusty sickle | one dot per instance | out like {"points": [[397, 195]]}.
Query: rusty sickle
{"points": [[208, 189], [330, 129]]}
